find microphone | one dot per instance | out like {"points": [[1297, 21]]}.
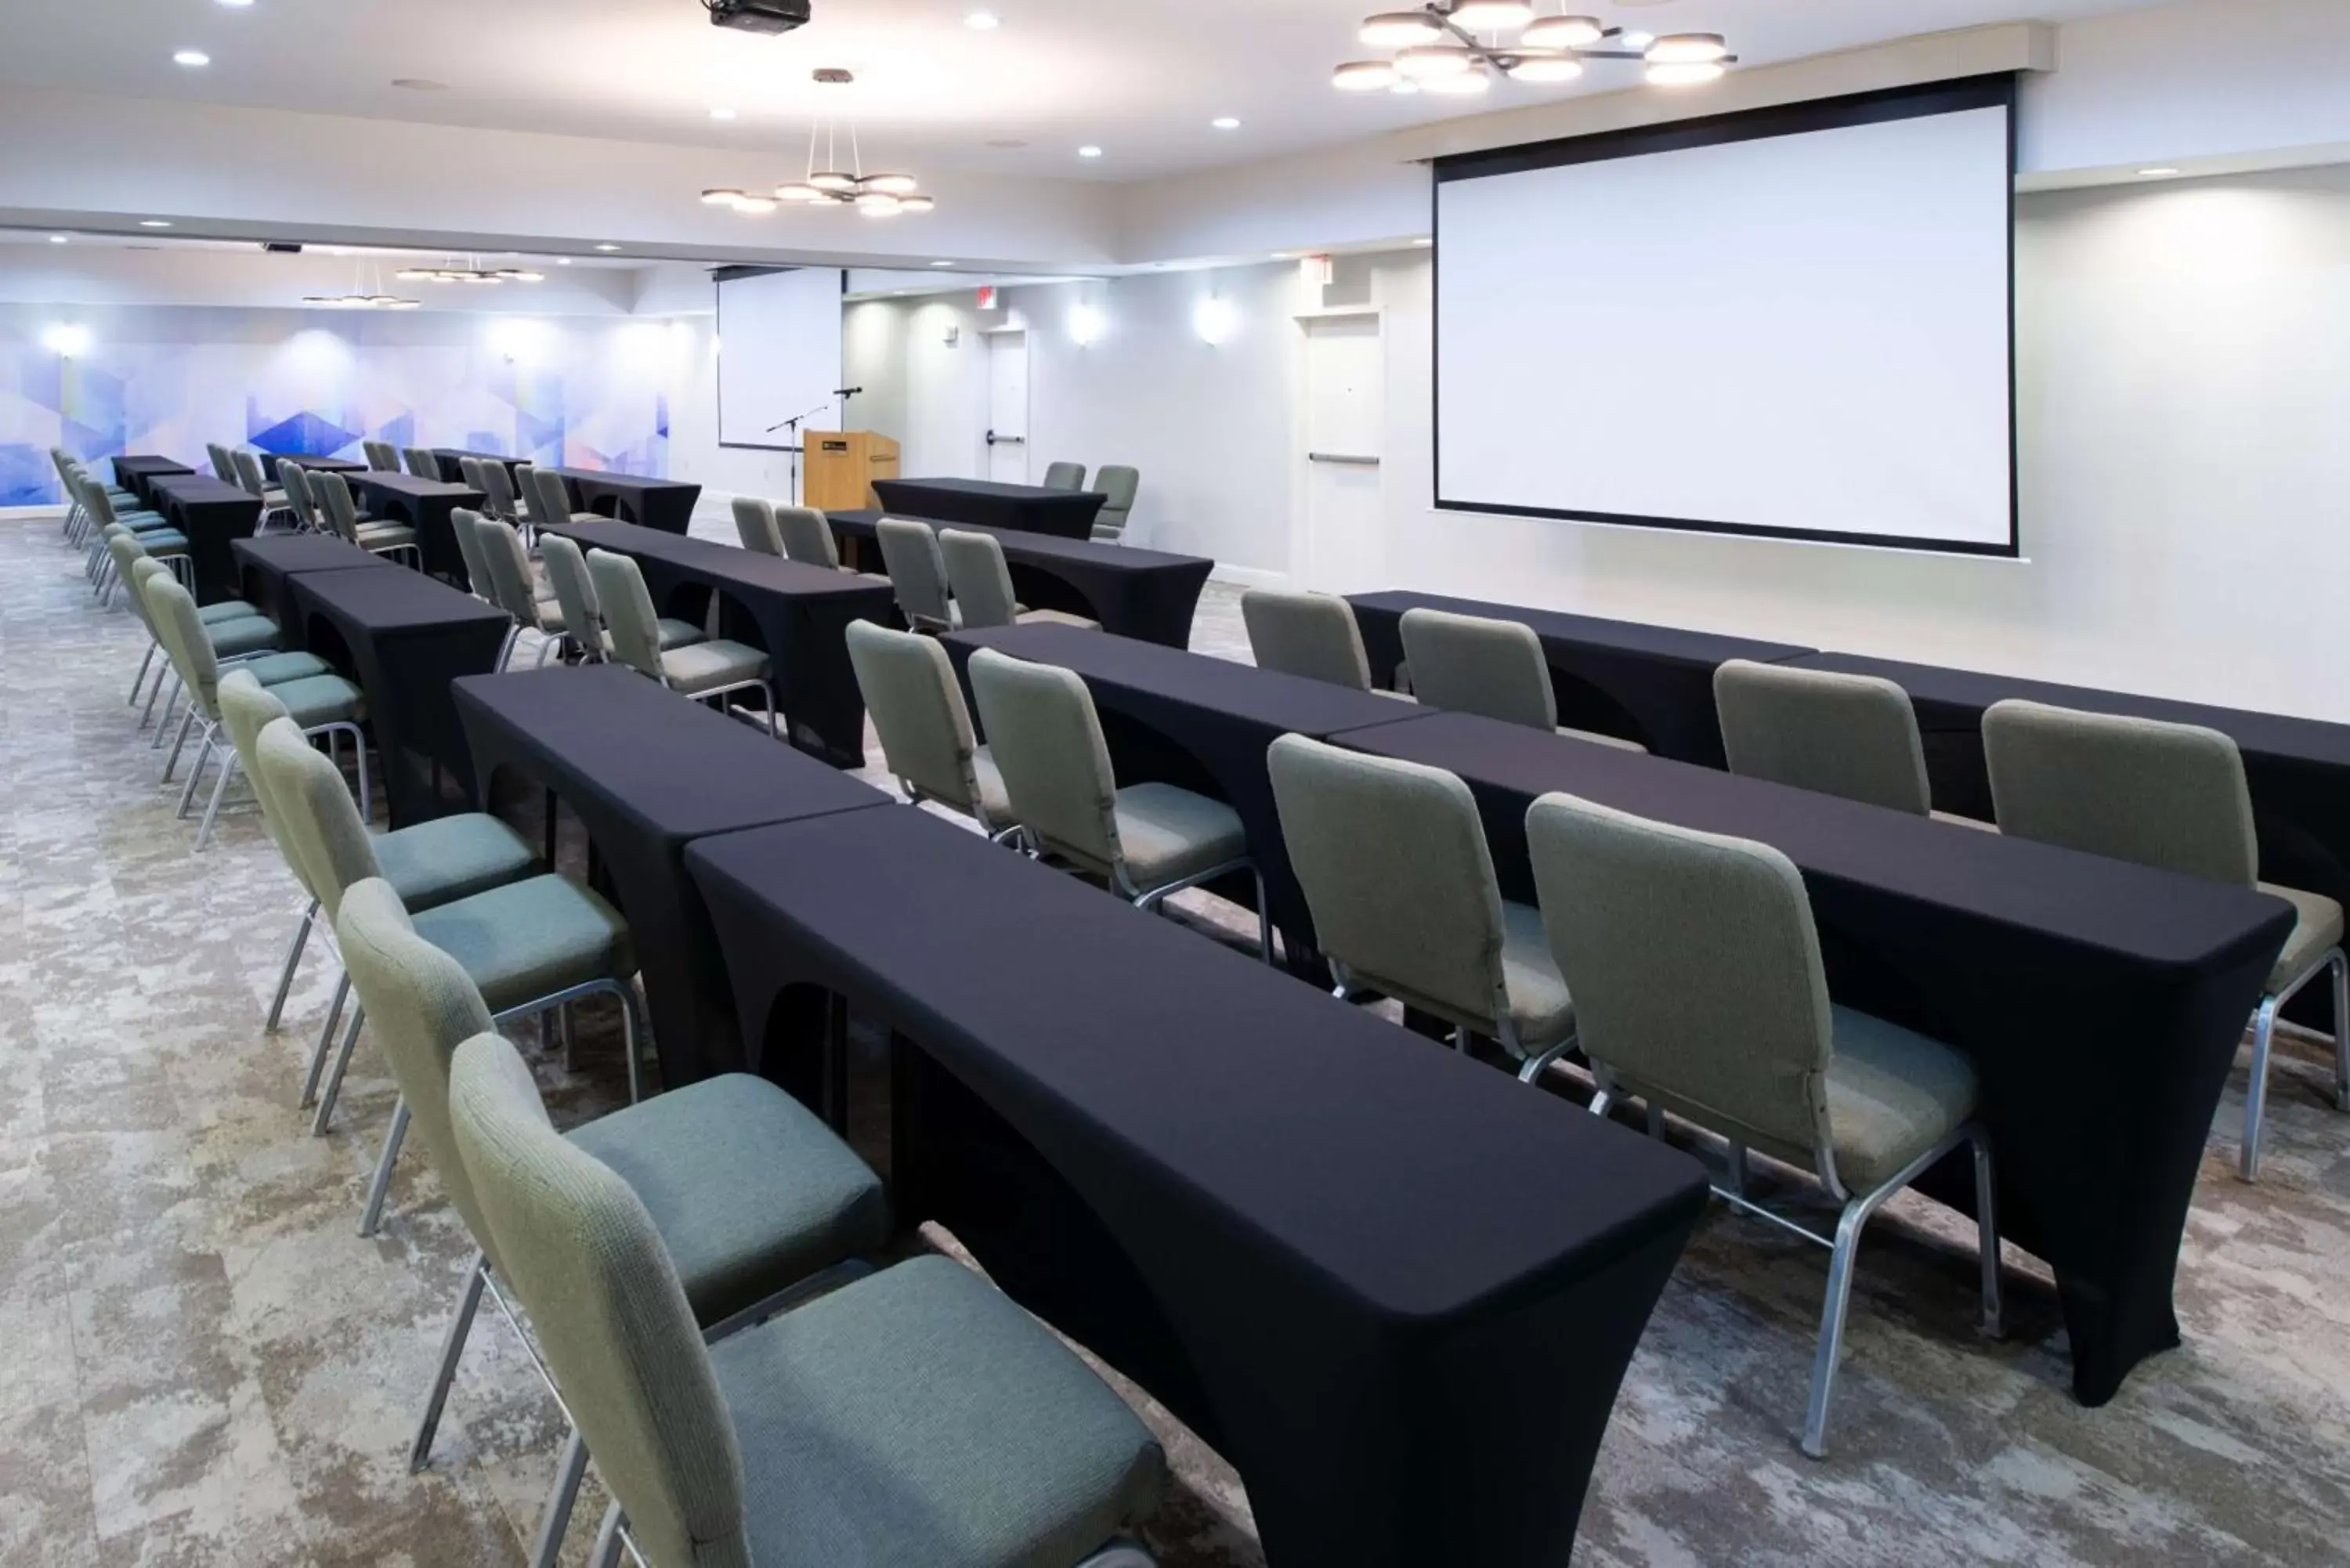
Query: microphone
{"points": [[847, 392]]}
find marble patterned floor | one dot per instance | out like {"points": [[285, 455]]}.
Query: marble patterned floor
{"points": [[202, 1363]]}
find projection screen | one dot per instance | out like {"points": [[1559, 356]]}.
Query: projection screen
{"points": [[1794, 322], [778, 352]]}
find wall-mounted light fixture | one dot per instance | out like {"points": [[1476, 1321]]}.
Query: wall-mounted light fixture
{"points": [[1215, 320], [1086, 325], [64, 340]]}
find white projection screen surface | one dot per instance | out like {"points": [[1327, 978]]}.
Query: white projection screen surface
{"points": [[1794, 322], [778, 354]]}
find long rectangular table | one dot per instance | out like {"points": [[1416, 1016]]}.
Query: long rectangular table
{"points": [[1396, 1289], [213, 514], [1653, 684], [1030, 508], [449, 460], [1200, 723], [135, 472], [798, 613], [649, 772], [266, 569], [666, 504], [425, 505], [309, 463], [1146, 594], [2100, 1001], [404, 638]]}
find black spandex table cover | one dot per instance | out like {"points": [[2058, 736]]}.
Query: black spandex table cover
{"points": [[1145, 594], [649, 772], [266, 569], [1066, 513], [214, 515], [404, 638], [309, 464], [135, 472], [666, 504], [449, 460], [2100, 1001], [425, 505], [1653, 684], [799, 614], [1396, 1289], [1200, 723]]}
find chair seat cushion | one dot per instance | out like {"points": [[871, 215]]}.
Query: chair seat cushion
{"points": [[919, 1416], [1596, 739], [550, 617], [233, 638], [530, 940], [277, 668], [1055, 617], [164, 541], [453, 857], [229, 609], [995, 800], [385, 536], [678, 634], [750, 1190], [2317, 931], [1892, 1094], [708, 666], [1539, 1009], [314, 700], [1169, 833]]}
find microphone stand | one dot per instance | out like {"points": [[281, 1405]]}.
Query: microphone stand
{"points": [[793, 424]]}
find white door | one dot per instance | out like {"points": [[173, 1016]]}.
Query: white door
{"points": [[1345, 431], [1007, 407]]}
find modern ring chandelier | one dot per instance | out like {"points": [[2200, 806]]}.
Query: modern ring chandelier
{"points": [[472, 272], [367, 296], [1456, 48], [875, 195]]}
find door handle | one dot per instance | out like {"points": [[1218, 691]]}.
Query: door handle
{"points": [[1351, 458], [994, 440]]}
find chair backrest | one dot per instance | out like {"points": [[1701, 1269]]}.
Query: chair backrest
{"points": [[918, 710], [909, 553], [977, 575], [1850, 735], [575, 591], [383, 457], [754, 522], [181, 630], [553, 498], [1473, 665], [1121, 484], [128, 552], [1047, 740], [1695, 970], [628, 610], [576, 1244], [1392, 859], [248, 470], [522, 478], [807, 536], [464, 523], [509, 563], [297, 481], [469, 469], [1312, 635], [422, 462], [315, 811], [497, 490], [223, 468], [333, 494], [247, 709], [421, 1006], [95, 498], [2172, 796], [1065, 476]]}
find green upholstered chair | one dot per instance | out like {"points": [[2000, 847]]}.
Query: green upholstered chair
{"points": [[981, 584], [151, 529], [1065, 476], [1850, 735], [531, 945], [512, 586], [754, 521], [1393, 861], [222, 469], [708, 672], [575, 596], [249, 478], [554, 499], [1698, 987], [918, 710], [422, 463], [299, 500], [1147, 840], [1310, 635], [807, 537], [469, 470], [333, 493], [1747, 1043], [910, 552], [319, 703], [914, 1417], [77, 524], [497, 488], [462, 528], [2174, 796], [521, 478], [1494, 667], [1121, 484], [234, 630], [383, 457]]}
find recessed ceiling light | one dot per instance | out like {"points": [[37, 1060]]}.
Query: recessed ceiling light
{"points": [[982, 21], [192, 57], [1225, 122], [1089, 152], [236, 5], [56, 239], [419, 84], [722, 114], [563, 261], [154, 223], [608, 247], [942, 263], [2158, 172]]}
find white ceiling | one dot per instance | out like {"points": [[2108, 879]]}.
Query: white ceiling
{"points": [[1142, 79]]}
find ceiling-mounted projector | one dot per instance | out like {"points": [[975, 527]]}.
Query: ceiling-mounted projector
{"points": [[759, 15]]}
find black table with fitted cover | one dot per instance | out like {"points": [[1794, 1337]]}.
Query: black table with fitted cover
{"points": [[213, 514], [1201, 722], [1397, 1289], [404, 638], [665, 505], [2100, 1001], [648, 772], [1653, 684], [136, 472], [309, 463], [799, 614], [449, 460], [425, 505], [1145, 594], [1029, 508], [268, 567]]}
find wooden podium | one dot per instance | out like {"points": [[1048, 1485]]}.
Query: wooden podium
{"points": [[842, 466]]}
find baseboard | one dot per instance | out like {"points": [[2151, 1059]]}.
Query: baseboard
{"points": [[15, 513], [1248, 577]]}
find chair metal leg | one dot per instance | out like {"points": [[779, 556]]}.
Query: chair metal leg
{"points": [[1264, 919], [607, 1551], [196, 769], [2340, 964], [554, 1519], [1121, 1554], [381, 1185], [163, 725], [293, 961], [632, 1041], [326, 1040], [2256, 1093], [171, 762], [163, 677], [334, 1084], [212, 810], [452, 1346], [1994, 1318], [140, 679], [1832, 1316]]}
